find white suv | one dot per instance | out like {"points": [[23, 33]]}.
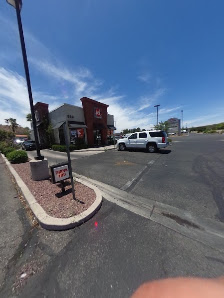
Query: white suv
{"points": [[149, 140]]}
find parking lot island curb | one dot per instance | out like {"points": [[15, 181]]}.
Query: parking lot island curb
{"points": [[52, 223]]}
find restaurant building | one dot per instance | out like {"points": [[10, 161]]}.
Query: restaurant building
{"points": [[89, 124]]}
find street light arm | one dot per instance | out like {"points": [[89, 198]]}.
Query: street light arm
{"points": [[13, 3]]}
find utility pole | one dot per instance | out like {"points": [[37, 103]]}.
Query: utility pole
{"points": [[157, 107], [182, 112]]}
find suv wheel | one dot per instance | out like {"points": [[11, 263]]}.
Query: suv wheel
{"points": [[122, 147], [151, 148]]}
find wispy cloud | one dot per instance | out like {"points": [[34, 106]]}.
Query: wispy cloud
{"points": [[81, 81], [169, 110], [145, 77], [14, 97], [147, 101]]}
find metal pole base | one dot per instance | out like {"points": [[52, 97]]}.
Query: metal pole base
{"points": [[41, 157]]}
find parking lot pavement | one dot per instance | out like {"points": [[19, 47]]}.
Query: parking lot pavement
{"points": [[55, 157], [191, 178], [115, 168], [189, 175]]}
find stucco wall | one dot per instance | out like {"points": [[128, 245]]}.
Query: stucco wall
{"points": [[110, 119], [61, 114]]}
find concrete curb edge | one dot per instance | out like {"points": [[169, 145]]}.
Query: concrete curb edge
{"points": [[52, 223]]}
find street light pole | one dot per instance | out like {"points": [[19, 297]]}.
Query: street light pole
{"points": [[157, 107], [18, 5], [182, 112]]}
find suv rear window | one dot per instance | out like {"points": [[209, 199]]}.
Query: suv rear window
{"points": [[142, 135], [154, 134]]}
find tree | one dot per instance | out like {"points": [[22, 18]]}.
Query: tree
{"points": [[6, 136], [28, 117], [12, 123], [162, 126]]}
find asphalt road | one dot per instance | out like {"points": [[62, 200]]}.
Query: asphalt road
{"points": [[189, 175], [124, 250], [110, 260]]}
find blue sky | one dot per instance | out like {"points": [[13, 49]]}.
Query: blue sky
{"points": [[130, 54]]}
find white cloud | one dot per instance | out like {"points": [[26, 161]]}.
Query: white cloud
{"points": [[147, 101], [14, 98], [82, 80], [168, 110], [145, 77]]}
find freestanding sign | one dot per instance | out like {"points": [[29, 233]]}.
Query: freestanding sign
{"points": [[59, 172]]}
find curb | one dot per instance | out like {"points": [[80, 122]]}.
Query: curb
{"points": [[100, 149], [52, 223]]}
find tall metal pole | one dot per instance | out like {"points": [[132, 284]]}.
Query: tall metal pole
{"points": [[157, 107], [25, 62], [182, 112]]}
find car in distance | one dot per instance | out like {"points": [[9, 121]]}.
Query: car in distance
{"points": [[151, 141], [28, 145]]}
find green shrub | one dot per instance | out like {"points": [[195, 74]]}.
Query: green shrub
{"points": [[18, 156], [6, 150], [61, 148], [80, 146], [72, 147], [210, 131], [2, 146]]}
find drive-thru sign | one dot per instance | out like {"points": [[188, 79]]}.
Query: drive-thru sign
{"points": [[59, 172]]}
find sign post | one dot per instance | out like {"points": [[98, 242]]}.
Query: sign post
{"points": [[69, 160]]}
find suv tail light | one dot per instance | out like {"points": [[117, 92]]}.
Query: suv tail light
{"points": [[163, 140]]}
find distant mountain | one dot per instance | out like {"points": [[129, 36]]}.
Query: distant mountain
{"points": [[204, 128]]}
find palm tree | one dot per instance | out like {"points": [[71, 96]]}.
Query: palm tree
{"points": [[12, 123]]}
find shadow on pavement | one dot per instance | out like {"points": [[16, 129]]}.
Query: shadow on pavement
{"points": [[164, 151]]}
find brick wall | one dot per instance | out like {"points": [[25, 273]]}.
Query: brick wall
{"points": [[91, 108]]}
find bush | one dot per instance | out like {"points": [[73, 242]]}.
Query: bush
{"points": [[18, 156], [62, 148], [6, 150], [2, 146], [210, 131], [80, 146]]}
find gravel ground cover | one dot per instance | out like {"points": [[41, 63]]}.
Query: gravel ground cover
{"points": [[50, 197]]}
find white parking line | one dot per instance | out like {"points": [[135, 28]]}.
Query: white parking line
{"points": [[129, 183]]}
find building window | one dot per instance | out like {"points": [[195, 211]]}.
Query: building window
{"points": [[77, 136]]}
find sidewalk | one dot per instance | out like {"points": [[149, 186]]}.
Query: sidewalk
{"points": [[105, 148], [13, 222]]}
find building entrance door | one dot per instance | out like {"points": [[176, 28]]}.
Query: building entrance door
{"points": [[61, 136], [97, 137]]}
